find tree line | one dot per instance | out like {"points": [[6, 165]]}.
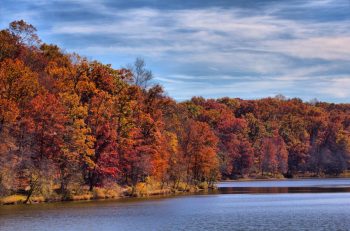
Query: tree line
{"points": [[66, 120]]}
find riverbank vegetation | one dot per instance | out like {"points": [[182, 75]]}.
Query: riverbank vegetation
{"points": [[71, 129]]}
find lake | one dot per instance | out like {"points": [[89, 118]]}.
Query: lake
{"points": [[317, 204]]}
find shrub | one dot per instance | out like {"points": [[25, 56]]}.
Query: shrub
{"points": [[181, 186], [99, 193], [203, 185], [14, 199], [141, 189]]}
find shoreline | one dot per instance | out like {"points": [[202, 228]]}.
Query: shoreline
{"points": [[284, 179], [18, 199]]}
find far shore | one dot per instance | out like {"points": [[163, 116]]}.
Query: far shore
{"points": [[283, 179]]}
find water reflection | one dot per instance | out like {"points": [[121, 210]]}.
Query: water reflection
{"points": [[251, 190], [236, 205], [285, 186], [283, 211], [311, 183]]}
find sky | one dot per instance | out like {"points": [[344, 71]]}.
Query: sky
{"points": [[238, 48]]}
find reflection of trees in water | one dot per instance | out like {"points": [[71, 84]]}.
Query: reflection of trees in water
{"points": [[261, 190]]}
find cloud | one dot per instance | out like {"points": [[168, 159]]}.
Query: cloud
{"points": [[326, 48], [336, 87], [214, 30], [245, 49]]}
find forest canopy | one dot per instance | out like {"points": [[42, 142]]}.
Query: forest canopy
{"points": [[68, 122]]}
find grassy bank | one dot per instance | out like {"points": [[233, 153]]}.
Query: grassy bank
{"points": [[147, 189]]}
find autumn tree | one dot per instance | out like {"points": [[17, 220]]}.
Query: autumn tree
{"points": [[200, 146], [104, 160], [41, 143], [275, 155], [17, 82], [26, 32]]}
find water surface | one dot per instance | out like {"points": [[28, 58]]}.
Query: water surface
{"points": [[330, 182], [264, 211], [286, 186]]}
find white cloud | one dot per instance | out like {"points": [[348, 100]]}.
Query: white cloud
{"points": [[244, 51], [226, 40], [336, 87], [326, 48], [217, 31]]}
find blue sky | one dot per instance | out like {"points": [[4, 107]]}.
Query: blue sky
{"points": [[243, 48]]}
